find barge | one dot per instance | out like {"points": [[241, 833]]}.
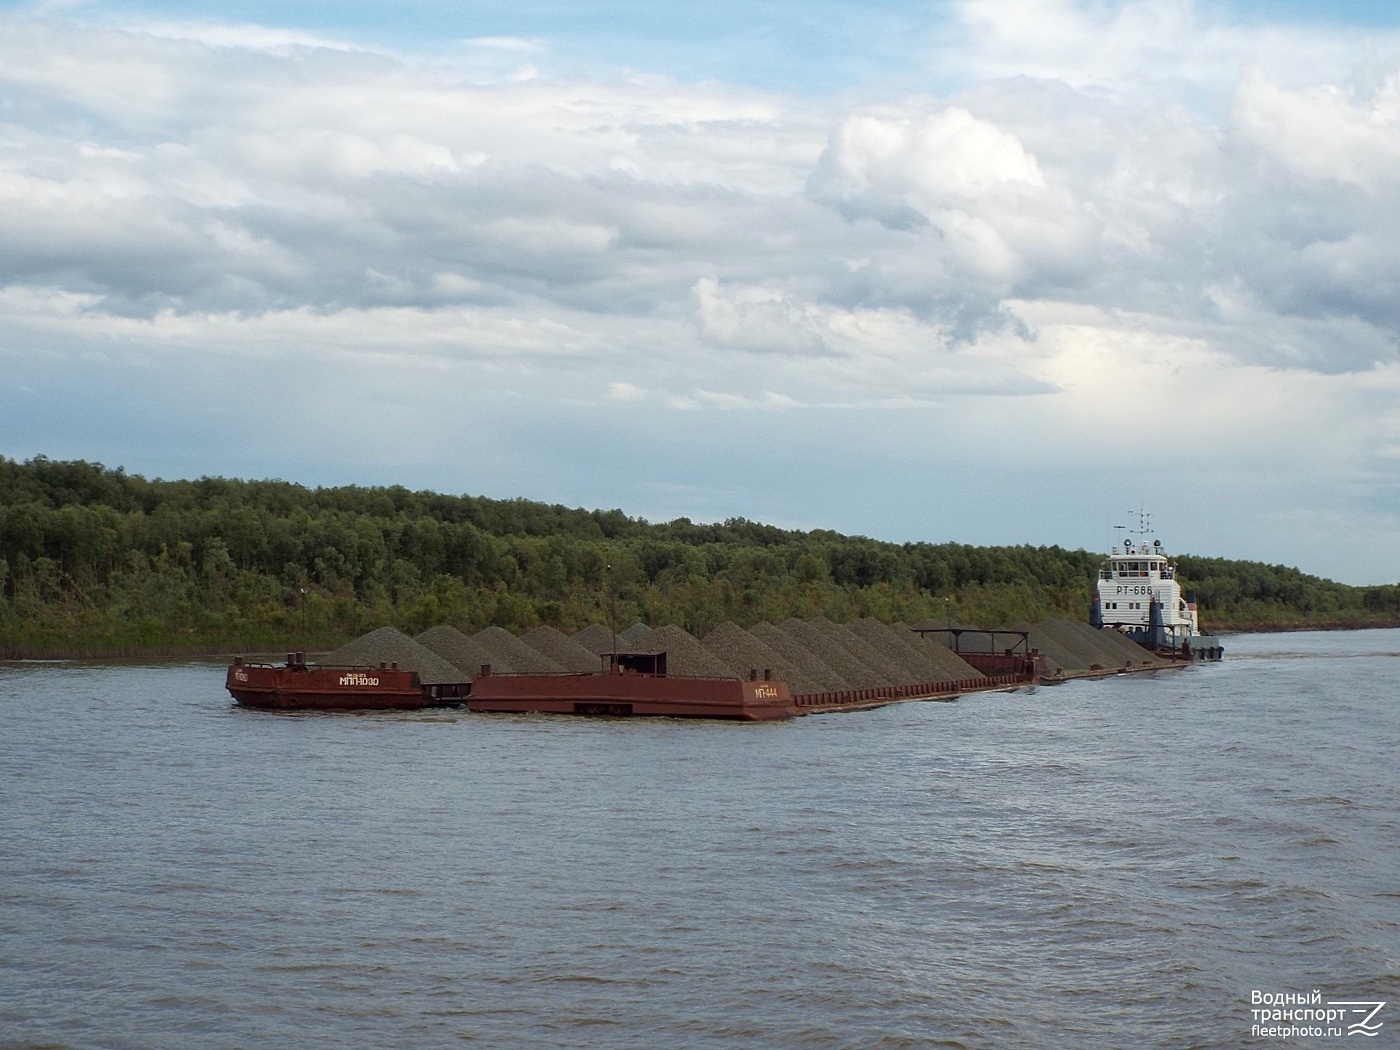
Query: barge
{"points": [[638, 684], [299, 686], [628, 684], [625, 693]]}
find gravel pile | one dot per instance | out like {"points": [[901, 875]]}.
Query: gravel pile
{"points": [[596, 638], [1059, 655], [1079, 647], [1133, 654], [563, 650], [510, 654], [971, 640], [685, 656], [898, 649], [932, 624], [1086, 642], [951, 666], [456, 648], [883, 669], [968, 642], [936, 630], [740, 652], [810, 673], [389, 646], [850, 671], [629, 638], [1065, 644]]}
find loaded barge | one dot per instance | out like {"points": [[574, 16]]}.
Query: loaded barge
{"points": [[769, 673], [632, 694], [622, 690], [299, 686], [631, 684]]}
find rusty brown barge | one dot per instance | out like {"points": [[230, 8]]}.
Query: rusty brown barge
{"points": [[619, 690], [630, 693], [299, 686], [757, 675]]}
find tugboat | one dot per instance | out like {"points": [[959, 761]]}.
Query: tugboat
{"points": [[1138, 596]]}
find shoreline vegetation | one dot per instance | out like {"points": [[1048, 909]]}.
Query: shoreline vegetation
{"points": [[96, 563]]}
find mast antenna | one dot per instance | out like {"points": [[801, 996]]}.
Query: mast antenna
{"points": [[612, 616], [1144, 528]]}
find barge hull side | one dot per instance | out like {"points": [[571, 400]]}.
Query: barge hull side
{"points": [[301, 688], [633, 694]]}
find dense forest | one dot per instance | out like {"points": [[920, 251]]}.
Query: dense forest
{"points": [[95, 561]]}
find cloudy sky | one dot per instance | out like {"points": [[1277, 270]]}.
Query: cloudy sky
{"points": [[991, 271]]}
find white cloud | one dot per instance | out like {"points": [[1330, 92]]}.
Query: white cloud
{"points": [[974, 183], [1151, 48], [272, 39], [626, 392], [988, 270], [1324, 132], [759, 319], [947, 154]]}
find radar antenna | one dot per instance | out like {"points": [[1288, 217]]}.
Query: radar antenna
{"points": [[1143, 530]]}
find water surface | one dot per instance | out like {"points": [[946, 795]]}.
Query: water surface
{"points": [[1110, 863]]}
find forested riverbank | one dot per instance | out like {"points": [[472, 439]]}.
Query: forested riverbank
{"points": [[98, 562]]}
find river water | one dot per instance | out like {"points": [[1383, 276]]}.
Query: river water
{"points": [[1122, 862]]}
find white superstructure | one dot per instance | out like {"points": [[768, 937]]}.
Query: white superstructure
{"points": [[1138, 594], [1133, 577]]}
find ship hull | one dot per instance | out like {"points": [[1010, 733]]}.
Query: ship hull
{"points": [[632, 694], [301, 688]]}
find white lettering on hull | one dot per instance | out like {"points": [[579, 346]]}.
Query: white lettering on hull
{"points": [[355, 678]]}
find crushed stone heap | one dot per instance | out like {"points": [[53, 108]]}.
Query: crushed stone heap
{"points": [[811, 656], [895, 652], [811, 673], [685, 656], [557, 646], [950, 666], [885, 670], [387, 645], [627, 640], [597, 639], [742, 654], [510, 655], [456, 648], [851, 672]]}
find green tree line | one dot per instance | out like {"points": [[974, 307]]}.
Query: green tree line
{"points": [[95, 561]]}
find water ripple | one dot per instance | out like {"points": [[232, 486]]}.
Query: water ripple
{"points": [[1113, 863]]}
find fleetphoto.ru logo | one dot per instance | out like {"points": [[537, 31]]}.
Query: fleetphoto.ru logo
{"points": [[1290, 1015]]}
